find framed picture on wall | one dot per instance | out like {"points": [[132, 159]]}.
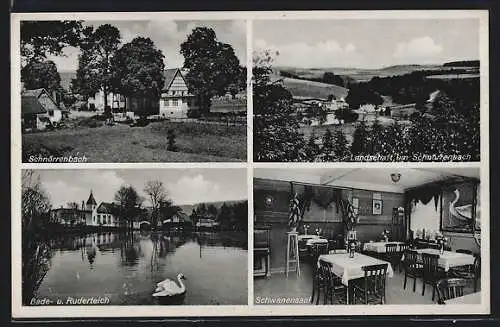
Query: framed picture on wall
{"points": [[458, 208], [377, 207]]}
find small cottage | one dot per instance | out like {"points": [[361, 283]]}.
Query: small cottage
{"points": [[176, 98], [40, 110]]}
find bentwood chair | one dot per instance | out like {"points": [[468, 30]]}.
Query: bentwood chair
{"points": [[450, 288], [392, 254], [371, 289], [329, 284], [402, 249], [431, 273], [412, 267], [470, 273], [318, 281]]}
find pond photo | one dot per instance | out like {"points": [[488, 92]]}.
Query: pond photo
{"points": [[132, 237]]}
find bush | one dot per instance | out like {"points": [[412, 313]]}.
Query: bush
{"points": [[171, 140], [193, 113]]}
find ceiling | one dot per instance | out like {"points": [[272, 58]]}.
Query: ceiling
{"points": [[378, 179]]}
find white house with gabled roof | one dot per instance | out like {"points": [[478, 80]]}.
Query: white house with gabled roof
{"points": [[176, 98]]}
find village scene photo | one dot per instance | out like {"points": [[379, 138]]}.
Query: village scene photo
{"points": [[366, 90], [133, 91], [134, 237]]}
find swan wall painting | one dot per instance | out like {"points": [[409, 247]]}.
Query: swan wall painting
{"points": [[458, 208]]}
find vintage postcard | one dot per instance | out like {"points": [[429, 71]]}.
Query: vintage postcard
{"points": [[202, 164]]}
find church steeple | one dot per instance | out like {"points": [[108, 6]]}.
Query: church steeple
{"points": [[91, 203]]}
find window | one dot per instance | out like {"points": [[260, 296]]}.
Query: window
{"points": [[173, 92], [175, 102], [165, 102], [51, 113]]}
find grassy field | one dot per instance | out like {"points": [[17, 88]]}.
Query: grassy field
{"points": [[196, 142]]}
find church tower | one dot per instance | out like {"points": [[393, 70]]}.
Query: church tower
{"points": [[91, 203]]}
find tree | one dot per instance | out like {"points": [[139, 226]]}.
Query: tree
{"points": [[129, 203], [341, 146], [139, 66], [312, 149], [74, 207], [277, 134], [213, 68], [360, 139], [41, 75], [35, 203], [212, 210], [42, 38], [95, 70], [376, 142], [157, 195], [327, 150]]}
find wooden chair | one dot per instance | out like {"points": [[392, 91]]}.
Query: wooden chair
{"points": [[392, 254], [329, 284], [470, 273], [411, 267], [431, 273], [450, 288], [402, 249], [316, 251], [371, 289]]}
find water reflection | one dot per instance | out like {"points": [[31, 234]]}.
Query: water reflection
{"points": [[126, 266]]}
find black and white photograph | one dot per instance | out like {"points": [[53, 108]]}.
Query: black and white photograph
{"points": [[312, 247], [134, 237], [367, 89], [133, 91]]}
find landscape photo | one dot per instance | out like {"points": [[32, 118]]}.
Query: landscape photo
{"points": [[134, 237], [133, 91], [366, 90]]}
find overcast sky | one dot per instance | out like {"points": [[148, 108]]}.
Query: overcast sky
{"points": [[167, 36], [184, 186], [368, 43]]}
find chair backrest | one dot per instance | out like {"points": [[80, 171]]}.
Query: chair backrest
{"points": [[410, 259], [318, 249], [374, 280], [449, 288], [463, 251], [391, 248], [404, 247], [325, 270], [430, 266]]}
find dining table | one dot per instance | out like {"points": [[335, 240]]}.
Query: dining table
{"points": [[349, 268], [449, 259], [472, 298], [379, 247]]}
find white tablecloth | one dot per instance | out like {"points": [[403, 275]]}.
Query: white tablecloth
{"points": [[450, 259], [316, 241], [350, 268], [473, 298], [379, 247]]}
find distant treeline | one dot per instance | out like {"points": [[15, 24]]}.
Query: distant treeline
{"points": [[415, 87], [327, 78], [464, 63]]}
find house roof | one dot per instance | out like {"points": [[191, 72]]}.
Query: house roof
{"points": [[106, 207], [47, 102], [31, 105], [91, 199], [433, 96], [169, 75], [34, 93]]}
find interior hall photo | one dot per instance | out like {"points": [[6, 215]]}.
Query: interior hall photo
{"points": [[367, 236]]}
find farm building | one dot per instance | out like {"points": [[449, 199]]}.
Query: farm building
{"points": [[176, 99], [402, 111], [115, 101], [39, 110]]}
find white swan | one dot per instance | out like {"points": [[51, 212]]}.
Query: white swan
{"points": [[169, 288], [463, 212]]}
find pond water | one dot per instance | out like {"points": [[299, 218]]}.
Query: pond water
{"points": [[125, 268]]}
